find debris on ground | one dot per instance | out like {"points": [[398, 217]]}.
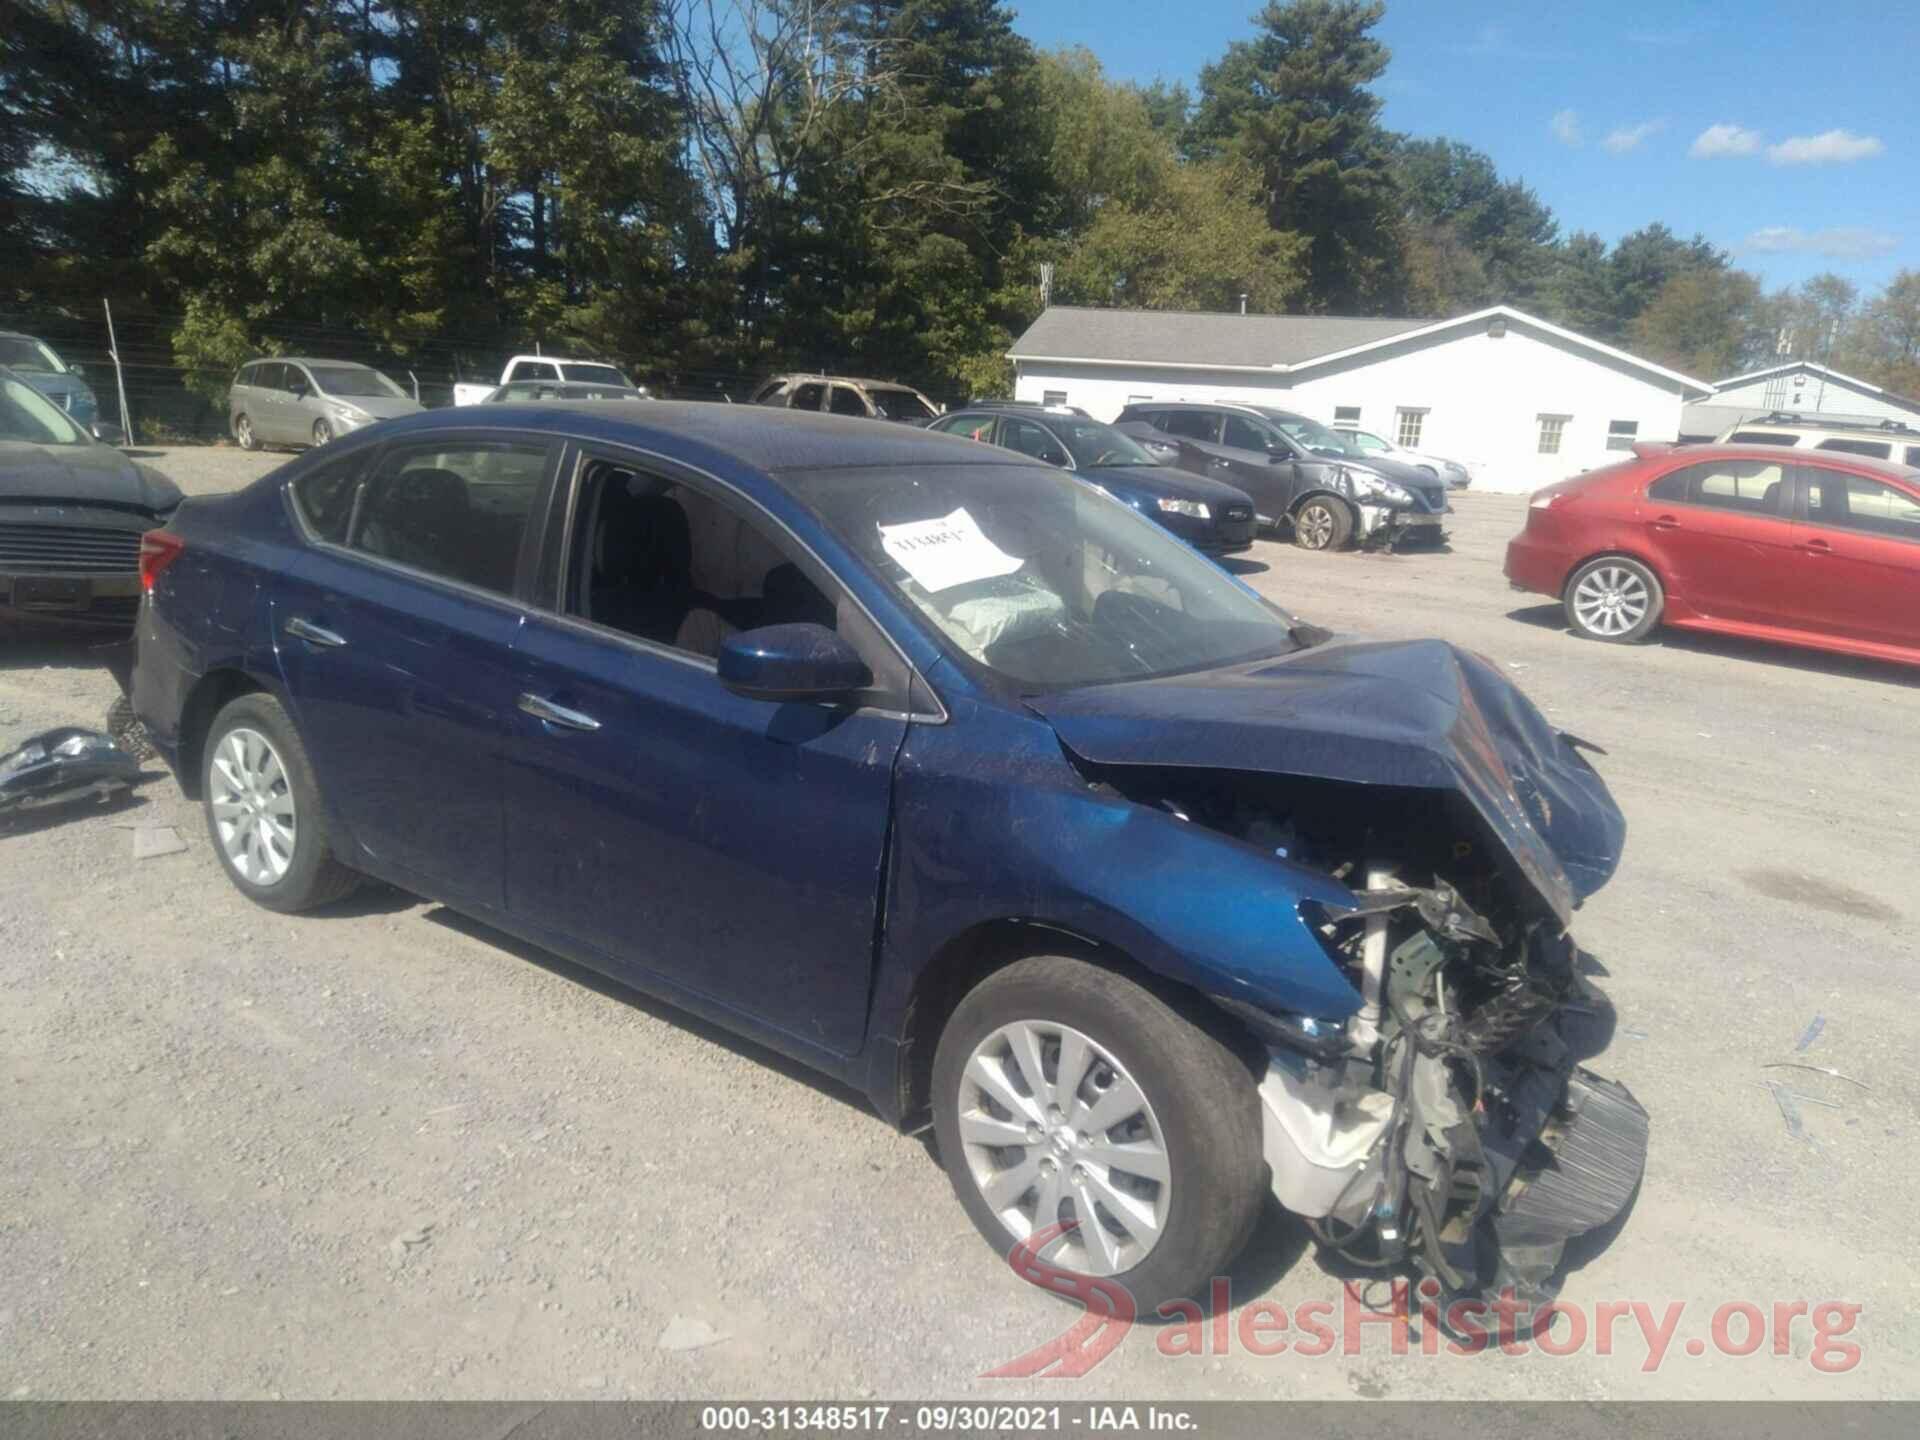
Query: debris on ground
{"points": [[150, 841], [1817, 1070], [63, 767], [1811, 1034], [685, 1334]]}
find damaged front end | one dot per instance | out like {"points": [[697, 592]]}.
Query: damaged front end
{"points": [[1445, 1121]]}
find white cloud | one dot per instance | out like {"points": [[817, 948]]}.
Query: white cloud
{"points": [[1832, 147], [1566, 127], [1839, 242], [1629, 137], [1723, 139]]}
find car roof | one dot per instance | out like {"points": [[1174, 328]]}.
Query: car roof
{"points": [[1245, 407], [304, 360], [1790, 455], [1021, 407], [757, 436], [788, 377]]}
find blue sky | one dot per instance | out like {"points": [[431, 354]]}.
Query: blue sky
{"points": [[1784, 132]]}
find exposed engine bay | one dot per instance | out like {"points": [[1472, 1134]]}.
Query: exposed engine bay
{"points": [[1447, 1123]]}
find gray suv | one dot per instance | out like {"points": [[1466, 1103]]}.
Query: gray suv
{"points": [[847, 395], [308, 402], [1300, 474]]}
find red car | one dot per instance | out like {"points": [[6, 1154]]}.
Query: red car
{"points": [[1803, 547]]}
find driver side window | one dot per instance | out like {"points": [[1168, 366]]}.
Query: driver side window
{"points": [[1243, 434], [1031, 439]]}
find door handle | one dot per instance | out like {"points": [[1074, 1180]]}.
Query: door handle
{"points": [[315, 634], [543, 709], [1664, 522], [1816, 547]]}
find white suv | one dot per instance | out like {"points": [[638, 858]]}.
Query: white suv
{"points": [[1888, 440]]}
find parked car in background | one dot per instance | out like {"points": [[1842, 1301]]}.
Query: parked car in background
{"points": [[1369, 445], [308, 402], [1888, 440], [1206, 514], [1300, 474], [72, 511], [544, 367], [40, 365], [1114, 851], [1817, 548], [1164, 449], [519, 392], [845, 395]]}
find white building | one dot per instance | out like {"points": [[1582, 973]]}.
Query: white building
{"points": [[1519, 401], [1799, 387]]}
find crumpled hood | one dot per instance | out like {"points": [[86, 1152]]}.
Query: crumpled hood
{"points": [[82, 475], [1420, 714]]}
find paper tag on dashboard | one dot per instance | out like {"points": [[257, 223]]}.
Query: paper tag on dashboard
{"points": [[946, 552]]}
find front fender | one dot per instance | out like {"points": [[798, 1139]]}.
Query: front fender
{"points": [[993, 823]]}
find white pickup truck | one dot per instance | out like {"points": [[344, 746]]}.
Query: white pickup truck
{"points": [[543, 367]]}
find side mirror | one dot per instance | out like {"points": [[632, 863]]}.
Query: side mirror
{"points": [[108, 434], [297, 389], [1278, 457], [791, 662]]}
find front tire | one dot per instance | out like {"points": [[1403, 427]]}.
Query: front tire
{"points": [[243, 433], [1065, 1091], [263, 810], [1614, 599], [1322, 523], [322, 432]]}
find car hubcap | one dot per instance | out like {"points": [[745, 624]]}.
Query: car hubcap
{"points": [[246, 435], [1316, 527], [253, 810], [321, 434], [1056, 1130], [1611, 600]]}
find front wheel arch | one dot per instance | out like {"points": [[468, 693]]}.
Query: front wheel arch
{"points": [[970, 958]]}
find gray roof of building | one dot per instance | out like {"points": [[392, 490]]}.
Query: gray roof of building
{"points": [[1199, 337]]}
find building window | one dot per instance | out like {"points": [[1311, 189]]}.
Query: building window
{"points": [[1622, 433], [1346, 415], [1406, 428], [1552, 427], [1053, 397]]}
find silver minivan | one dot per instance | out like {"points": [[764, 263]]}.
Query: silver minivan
{"points": [[308, 402]]}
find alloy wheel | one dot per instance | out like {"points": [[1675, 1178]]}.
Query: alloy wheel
{"points": [[253, 810], [243, 432], [322, 432], [1055, 1130], [1610, 600], [1315, 526]]}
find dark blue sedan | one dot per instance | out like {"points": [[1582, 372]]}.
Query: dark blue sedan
{"points": [[938, 770], [1208, 514]]}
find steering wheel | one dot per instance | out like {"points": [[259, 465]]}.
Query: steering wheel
{"points": [[1104, 456]]}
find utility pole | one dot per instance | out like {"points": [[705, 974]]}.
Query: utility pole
{"points": [[119, 375]]}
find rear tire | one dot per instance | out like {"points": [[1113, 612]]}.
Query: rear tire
{"points": [[1322, 523], [1614, 599], [263, 809], [1166, 1193]]}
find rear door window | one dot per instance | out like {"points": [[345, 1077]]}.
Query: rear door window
{"points": [[1877, 449], [807, 397], [1752, 486], [1191, 425], [455, 509]]}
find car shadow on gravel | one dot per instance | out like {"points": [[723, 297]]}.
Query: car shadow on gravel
{"points": [[659, 1009], [1734, 647]]}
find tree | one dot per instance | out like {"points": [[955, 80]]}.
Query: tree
{"points": [[1643, 263], [1705, 321], [1889, 335], [1293, 104], [1471, 238]]}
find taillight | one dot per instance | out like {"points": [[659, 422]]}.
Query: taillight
{"points": [[158, 550]]}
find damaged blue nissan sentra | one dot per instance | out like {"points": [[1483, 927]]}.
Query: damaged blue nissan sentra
{"points": [[942, 772]]}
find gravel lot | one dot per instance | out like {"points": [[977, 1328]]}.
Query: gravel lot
{"points": [[387, 1153]]}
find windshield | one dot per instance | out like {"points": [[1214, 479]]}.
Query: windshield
{"points": [[1040, 578], [354, 380], [23, 353], [26, 414], [596, 375], [899, 404], [1317, 437], [1096, 447]]}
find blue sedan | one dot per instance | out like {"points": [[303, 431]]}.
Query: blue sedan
{"points": [[948, 775]]}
